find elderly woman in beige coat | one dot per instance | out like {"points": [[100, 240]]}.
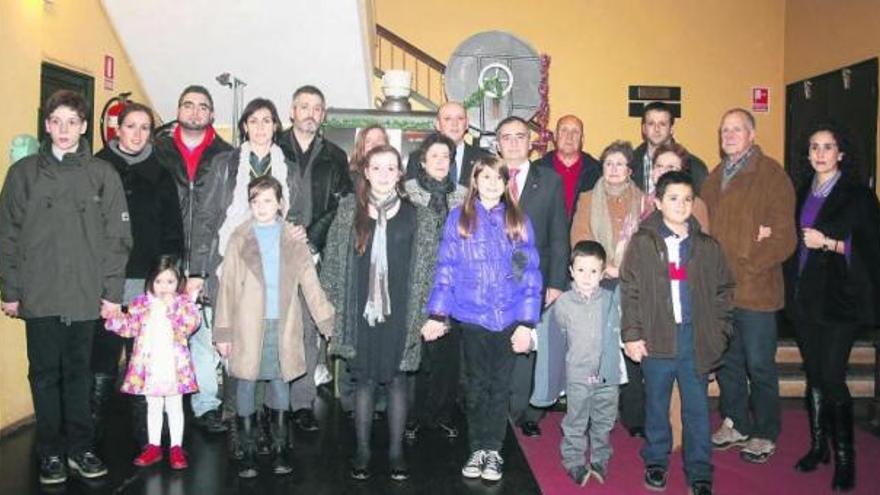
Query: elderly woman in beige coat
{"points": [[258, 321]]}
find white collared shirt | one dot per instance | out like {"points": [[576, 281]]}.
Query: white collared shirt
{"points": [[459, 159]]}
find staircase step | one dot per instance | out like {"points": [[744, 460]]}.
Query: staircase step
{"points": [[793, 383], [863, 352]]}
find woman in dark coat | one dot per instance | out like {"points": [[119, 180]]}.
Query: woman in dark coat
{"points": [[156, 229], [833, 283]]}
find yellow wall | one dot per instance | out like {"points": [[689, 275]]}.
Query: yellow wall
{"points": [[75, 35], [823, 35], [715, 50]]}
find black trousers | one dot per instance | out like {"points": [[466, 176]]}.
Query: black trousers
{"points": [[437, 379], [825, 349], [632, 397], [489, 362], [59, 359]]}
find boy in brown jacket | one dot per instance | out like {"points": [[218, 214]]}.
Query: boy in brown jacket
{"points": [[676, 302]]}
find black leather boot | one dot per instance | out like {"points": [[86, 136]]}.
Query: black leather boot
{"points": [[844, 454], [819, 451], [102, 391], [247, 435], [280, 445], [264, 432]]}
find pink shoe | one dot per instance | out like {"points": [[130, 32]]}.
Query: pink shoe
{"points": [[176, 458], [149, 456]]}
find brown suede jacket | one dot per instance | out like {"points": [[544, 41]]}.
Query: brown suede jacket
{"points": [[760, 194], [646, 295], [238, 317]]}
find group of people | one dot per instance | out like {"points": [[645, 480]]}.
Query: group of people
{"points": [[435, 283]]}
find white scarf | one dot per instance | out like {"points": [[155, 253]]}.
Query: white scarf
{"points": [[239, 210]]}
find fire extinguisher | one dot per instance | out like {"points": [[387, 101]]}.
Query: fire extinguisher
{"points": [[110, 116]]}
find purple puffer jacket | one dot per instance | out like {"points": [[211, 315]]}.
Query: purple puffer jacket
{"points": [[486, 280]]}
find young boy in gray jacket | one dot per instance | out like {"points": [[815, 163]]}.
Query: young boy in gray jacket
{"points": [[584, 324]]}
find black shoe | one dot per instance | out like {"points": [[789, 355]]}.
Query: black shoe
{"points": [[399, 472], [819, 451], [636, 432], [530, 429], [701, 488], [305, 420], [52, 470], [87, 465], [211, 422], [655, 478], [597, 472], [579, 474], [360, 474]]}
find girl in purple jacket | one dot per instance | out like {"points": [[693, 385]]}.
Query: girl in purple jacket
{"points": [[488, 285]]}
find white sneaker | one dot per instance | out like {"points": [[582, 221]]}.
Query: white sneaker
{"points": [[758, 450], [493, 466], [726, 436], [474, 466]]}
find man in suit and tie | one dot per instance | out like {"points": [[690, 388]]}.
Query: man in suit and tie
{"points": [[539, 193], [452, 122]]}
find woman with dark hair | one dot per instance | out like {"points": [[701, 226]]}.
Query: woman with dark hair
{"points": [[368, 138], [436, 383], [378, 267], [156, 229], [833, 283], [226, 204]]}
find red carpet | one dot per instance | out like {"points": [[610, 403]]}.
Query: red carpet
{"points": [[732, 476]]}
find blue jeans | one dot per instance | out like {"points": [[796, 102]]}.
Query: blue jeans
{"points": [[659, 375], [205, 362], [748, 378]]}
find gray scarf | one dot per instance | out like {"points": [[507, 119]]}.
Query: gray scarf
{"points": [[378, 299], [128, 157]]}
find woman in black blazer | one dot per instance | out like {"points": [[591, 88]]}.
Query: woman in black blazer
{"points": [[834, 289]]}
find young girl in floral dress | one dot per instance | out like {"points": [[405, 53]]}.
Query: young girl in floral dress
{"points": [[160, 368]]}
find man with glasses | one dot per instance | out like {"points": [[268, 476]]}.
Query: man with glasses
{"points": [[539, 194], [187, 154]]}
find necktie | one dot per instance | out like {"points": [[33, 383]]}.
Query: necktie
{"points": [[514, 186]]}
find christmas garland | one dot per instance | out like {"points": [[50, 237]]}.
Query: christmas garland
{"points": [[542, 116]]}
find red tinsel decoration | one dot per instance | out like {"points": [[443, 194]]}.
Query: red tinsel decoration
{"points": [[542, 116]]}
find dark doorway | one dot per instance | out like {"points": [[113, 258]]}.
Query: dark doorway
{"points": [[53, 78], [847, 96]]}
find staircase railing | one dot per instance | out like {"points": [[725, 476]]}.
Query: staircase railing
{"points": [[394, 52]]}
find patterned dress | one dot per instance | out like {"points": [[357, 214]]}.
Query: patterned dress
{"points": [[160, 363]]}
